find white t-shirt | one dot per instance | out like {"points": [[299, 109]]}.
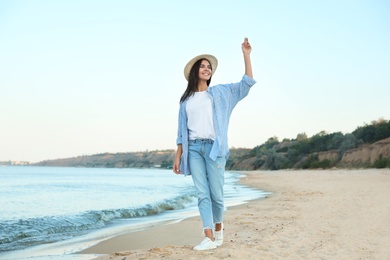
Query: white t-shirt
{"points": [[200, 116]]}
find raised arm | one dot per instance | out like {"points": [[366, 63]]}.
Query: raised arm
{"points": [[246, 50]]}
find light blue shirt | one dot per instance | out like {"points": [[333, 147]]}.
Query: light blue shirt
{"points": [[225, 97]]}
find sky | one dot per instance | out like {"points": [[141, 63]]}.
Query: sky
{"points": [[87, 77]]}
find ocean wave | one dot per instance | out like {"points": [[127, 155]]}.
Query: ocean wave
{"points": [[24, 233]]}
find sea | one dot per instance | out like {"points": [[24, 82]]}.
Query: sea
{"points": [[55, 212]]}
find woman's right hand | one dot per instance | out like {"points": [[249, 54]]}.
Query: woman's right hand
{"points": [[176, 165]]}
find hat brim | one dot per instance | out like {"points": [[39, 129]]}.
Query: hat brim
{"points": [[210, 58]]}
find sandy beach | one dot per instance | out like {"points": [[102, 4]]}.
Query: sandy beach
{"points": [[312, 214]]}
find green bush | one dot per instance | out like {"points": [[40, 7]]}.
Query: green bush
{"points": [[381, 163]]}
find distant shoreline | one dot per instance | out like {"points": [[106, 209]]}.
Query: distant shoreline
{"points": [[273, 155]]}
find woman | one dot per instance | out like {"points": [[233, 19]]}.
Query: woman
{"points": [[202, 142]]}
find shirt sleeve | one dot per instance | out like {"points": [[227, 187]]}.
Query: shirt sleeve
{"points": [[179, 126], [241, 89]]}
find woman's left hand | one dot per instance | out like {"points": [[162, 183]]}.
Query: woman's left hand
{"points": [[246, 47]]}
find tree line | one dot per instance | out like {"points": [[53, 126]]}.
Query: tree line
{"points": [[302, 152]]}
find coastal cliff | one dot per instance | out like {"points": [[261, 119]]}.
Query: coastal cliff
{"points": [[367, 153]]}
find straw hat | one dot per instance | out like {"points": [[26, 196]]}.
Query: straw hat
{"points": [[213, 61]]}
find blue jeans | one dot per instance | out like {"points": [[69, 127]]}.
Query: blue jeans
{"points": [[208, 177]]}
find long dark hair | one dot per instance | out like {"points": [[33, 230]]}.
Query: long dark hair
{"points": [[193, 78]]}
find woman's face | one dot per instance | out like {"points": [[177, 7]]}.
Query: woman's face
{"points": [[205, 70]]}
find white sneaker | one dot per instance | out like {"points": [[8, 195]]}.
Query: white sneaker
{"points": [[206, 244], [218, 235]]}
